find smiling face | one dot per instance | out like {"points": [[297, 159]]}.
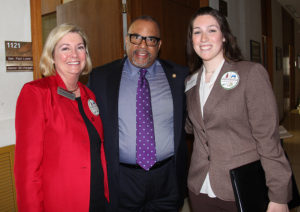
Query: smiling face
{"points": [[142, 56], [208, 39], [70, 55]]}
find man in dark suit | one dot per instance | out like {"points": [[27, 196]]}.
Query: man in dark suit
{"points": [[157, 183]]}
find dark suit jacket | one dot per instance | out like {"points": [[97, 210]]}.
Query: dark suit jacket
{"points": [[240, 125], [105, 83]]}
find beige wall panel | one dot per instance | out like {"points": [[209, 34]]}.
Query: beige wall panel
{"points": [[102, 22], [49, 6]]}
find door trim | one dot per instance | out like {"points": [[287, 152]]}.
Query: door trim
{"points": [[36, 36]]}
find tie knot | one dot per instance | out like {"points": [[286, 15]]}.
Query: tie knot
{"points": [[143, 72]]}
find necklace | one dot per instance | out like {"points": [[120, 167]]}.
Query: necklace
{"points": [[72, 91]]}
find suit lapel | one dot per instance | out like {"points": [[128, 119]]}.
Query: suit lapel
{"points": [[217, 93], [195, 101], [113, 93], [194, 108], [112, 99], [113, 86], [177, 100]]}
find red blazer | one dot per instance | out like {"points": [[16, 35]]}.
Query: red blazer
{"points": [[52, 156]]}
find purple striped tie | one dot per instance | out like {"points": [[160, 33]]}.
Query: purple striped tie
{"points": [[145, 140]]}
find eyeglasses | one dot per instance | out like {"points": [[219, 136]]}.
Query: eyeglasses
{"points": [[137, 39]]}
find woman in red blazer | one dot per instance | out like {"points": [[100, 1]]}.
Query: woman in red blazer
{"points": [[59, 160]]}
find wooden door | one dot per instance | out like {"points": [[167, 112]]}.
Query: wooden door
{"points": [[102, 22], [173, 17]]}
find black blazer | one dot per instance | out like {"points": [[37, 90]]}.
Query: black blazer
{"points": [[104, 81]]}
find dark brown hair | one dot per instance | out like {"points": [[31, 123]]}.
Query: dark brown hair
{"points": [[230, 48]]}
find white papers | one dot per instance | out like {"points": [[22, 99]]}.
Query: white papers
{"points": [[283, 133]]}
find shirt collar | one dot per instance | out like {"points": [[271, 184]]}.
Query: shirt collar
{"points": [[215, 74], [133, 70]]}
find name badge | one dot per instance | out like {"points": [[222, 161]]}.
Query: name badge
{"points": [[64, 93], [93, 107], [191, 82]]}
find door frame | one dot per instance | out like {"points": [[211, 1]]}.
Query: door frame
{"points": [[36, 36]]}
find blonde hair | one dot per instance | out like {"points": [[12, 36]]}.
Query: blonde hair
{"points": [[47, 61]]}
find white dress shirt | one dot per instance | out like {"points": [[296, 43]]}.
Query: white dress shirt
{"points": [[204, 91]]}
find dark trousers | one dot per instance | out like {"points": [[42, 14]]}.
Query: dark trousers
{"points": [[203, 203], [149, 191]]}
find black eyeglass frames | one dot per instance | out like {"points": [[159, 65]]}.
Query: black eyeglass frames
{"points": [[137, 39]]}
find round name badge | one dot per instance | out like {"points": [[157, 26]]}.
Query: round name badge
{"points": [[93, 107], [230, 80]]}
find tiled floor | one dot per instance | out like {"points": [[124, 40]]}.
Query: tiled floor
{"points": [[291, 146]]}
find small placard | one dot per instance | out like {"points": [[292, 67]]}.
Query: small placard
{"points": [[18, 56]]}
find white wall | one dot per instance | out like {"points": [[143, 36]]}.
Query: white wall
{"points": [[236, 19], [277, 42], [15, 26], [252, 24], [244, 24], [214, 4]]}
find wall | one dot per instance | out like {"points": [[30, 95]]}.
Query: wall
{"points": [[252, 24], [297, 69], [277, 42], [15, 26], [244, 25], [236, 20]]}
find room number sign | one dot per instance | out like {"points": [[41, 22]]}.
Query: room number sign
{"points": [[18, 56]]}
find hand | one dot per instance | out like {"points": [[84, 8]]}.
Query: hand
{"points": [[276, 207]]}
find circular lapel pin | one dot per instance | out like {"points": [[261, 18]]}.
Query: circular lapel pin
{"points": [[93, 107], [230, 80]]}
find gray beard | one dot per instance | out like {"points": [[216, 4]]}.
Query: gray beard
{"points": [[142, 65]]}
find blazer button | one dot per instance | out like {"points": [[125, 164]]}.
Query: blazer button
{"points": [[203, 130]]}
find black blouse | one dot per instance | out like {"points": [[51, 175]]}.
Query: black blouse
{"points": [[97, 199]]}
